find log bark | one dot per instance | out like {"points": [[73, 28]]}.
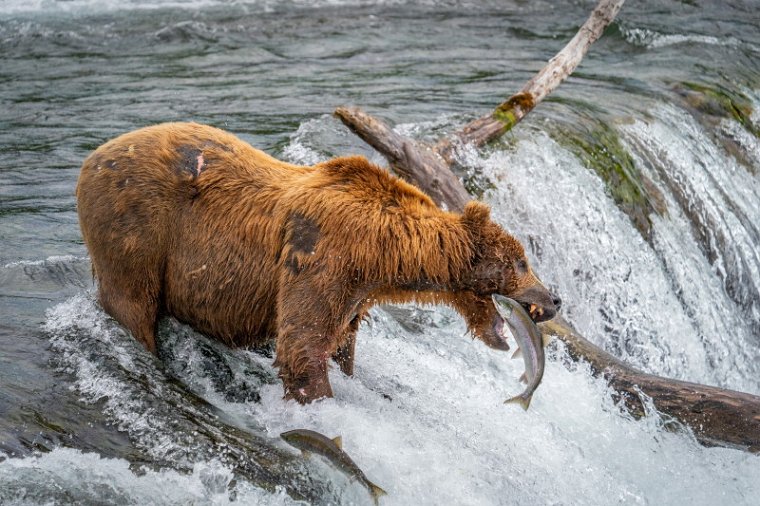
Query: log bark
{"points": [[715, 416]]}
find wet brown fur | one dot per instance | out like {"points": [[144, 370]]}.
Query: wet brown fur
{"points": [[188, 220]]}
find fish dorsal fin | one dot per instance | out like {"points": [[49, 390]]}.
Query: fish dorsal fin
{"points": [[338, 441], [524, 378], [517, 353]]}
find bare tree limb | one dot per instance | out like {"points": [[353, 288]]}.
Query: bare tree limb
{"points": [[514, 109], [435, 177], [716, 416]]}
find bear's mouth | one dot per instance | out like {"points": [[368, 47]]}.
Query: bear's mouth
{"points": [[535, 312]]}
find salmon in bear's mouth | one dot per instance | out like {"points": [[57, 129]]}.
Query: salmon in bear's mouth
{"points": [[500, 326]]}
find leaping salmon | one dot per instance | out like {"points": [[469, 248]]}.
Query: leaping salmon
{"points": [[309, 441]]}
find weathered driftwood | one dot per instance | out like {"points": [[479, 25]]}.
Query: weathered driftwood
{"points": [[511, 111], [715, 416]]}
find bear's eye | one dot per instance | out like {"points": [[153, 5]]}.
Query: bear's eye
{"points": [[522, 265]]}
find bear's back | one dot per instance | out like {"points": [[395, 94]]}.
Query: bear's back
{"points": [[172, 153]]}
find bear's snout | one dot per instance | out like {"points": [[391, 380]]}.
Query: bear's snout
{"points": [[540, 303]]}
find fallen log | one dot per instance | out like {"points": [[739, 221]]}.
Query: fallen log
{"points": [[715, 416]]}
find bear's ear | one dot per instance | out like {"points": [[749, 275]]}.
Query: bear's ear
{"points": [[476, 213]]}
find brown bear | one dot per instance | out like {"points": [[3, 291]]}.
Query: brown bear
{"points": [[188, 220]]}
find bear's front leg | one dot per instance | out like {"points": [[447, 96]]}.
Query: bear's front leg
{"points": [[304, 384], [306, 338]]}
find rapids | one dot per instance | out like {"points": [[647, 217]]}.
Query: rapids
{"points": [[665, 273]]}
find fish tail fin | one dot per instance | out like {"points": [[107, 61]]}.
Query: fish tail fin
{"points": [[521, 400], [376, 492]]}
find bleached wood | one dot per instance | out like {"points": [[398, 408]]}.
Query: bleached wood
{"points": [[513, 110]]}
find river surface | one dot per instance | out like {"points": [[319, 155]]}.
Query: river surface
{"points": [[635, 188]]}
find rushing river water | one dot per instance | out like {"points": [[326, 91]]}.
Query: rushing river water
{"points": [[635, 187]]}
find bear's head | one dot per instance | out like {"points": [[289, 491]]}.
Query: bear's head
{"points": [[499, 266]]}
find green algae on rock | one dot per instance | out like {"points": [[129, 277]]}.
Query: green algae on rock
{"points": [[711, 104], [716, 100], [598, 146]]}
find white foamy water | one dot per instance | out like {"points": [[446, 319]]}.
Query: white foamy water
{"points": [[446, 437], [423, 417], [52, 260], [661, 307], [67, 476], [162, 420], [653, 40], [303, 147], [99, 6], [722, 296]]}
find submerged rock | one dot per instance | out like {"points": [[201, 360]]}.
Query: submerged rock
{"points": [[598, 146], [711, 104]]}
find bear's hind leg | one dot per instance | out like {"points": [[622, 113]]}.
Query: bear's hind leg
{"points": [[134, 304]]}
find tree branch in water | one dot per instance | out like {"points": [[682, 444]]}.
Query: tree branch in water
{"points": [[511, 111]]}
